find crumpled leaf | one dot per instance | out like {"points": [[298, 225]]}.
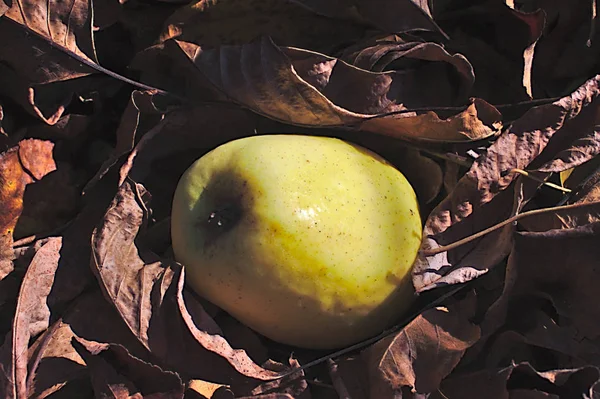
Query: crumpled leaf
{"points": [[69, 24], [568, 50], [209, 23], [55, 366], [349, 377], [522, 380], [116, 373], [32, 316], [204, 388], [500, 42], [568, 238], [31, 62], [386, 15], [485, 196], [310, 89], [31, 160], [53, 361], [423, 353], [153, 306], [394, 52], [293, 384], [169, 148]]}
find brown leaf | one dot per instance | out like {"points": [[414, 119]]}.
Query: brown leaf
{"points": [[204, 388], [349, 377], [15, 176], [385, 15], [568, 50], [479, 120], [153, 306], [241, 21], [50, 203], [32, 316], [500, 43], [568, 239], [68, 24], [53, 279], [522, 381], [310, 89], [484, 196], [138, 118], [53, 359], [116, 373], [44, 46], [294, 385], [172, 146], [428, 63], [54, 365], [423, 353]]}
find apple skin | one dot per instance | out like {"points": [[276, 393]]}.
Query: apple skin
{"points": [[307, 240]]}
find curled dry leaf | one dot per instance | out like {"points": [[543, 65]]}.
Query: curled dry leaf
{"points": [[53, 361], [204, 388], [37, 39], [426, 62], [294, 384], [485, 196], [420, 356], [22, 165], [305, 88], [565, 273], [349, 377], [241, 21], [168, 149], [385, 15], [153, 306], [32, 317], [500, 43], [522, 380], [568, 50], [54, 365], [115, 372]]}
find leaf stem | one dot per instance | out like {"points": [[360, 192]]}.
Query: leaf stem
{"points": [[466, 240]]}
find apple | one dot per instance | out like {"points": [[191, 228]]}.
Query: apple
{"points": [[307, 240]]}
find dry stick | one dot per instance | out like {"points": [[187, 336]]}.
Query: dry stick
{"points": [[466, 240], [464, 162], [549, 184]]}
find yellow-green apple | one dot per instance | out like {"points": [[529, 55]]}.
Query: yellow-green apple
{"points": [[307, 240]]}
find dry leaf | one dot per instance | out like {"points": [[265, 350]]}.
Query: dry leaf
{"points": [[522, 381], [500, 43], [31, 160], [481, 198], [310, 89], [153, 305], [214, 23], [423, 353], [32, 317], [204, 388], [116, 373], [568, 50], [349, 377], [45, 43], [385, 15]]}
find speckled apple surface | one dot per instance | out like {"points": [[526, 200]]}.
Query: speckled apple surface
{"points": [[307, 240]]}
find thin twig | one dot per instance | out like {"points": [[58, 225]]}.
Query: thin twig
{"points": [[546, 183], [466, 240]]}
